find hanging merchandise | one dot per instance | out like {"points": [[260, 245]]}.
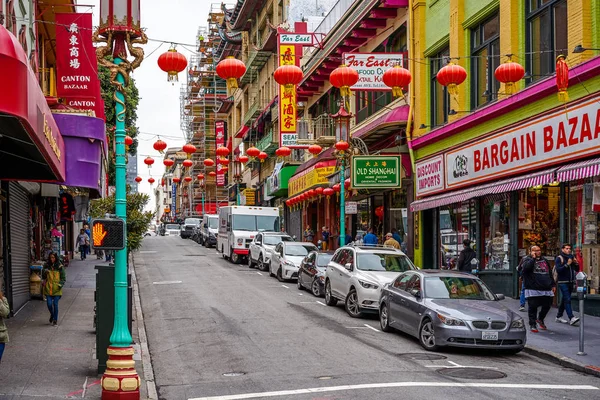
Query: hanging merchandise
{"points": [[67, 207], [596, 197], [81, 208], [562, 78]]}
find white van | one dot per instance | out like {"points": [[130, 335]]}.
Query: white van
{"points": [[239, 224]]}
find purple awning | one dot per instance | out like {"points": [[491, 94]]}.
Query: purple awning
{"points": [[578, 170]]}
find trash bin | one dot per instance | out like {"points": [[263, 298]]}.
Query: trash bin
{"points": [[105, 310]]}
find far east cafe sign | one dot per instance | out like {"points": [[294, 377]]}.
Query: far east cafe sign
{"points": [[563, 135], [371, 67]]}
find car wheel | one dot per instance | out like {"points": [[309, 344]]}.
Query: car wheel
{"points": [[279, 277], [250, 262], [299, 283], [352, 307], [329, 299], [315, 288], [259, 264], [427, 336], [384, 318], [223, 253], [235, 258]]}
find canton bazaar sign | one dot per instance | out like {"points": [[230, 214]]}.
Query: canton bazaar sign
{"points": [[379, 172], [370, 68]]}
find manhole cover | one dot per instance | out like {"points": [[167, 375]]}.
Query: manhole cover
{"points": [[422, 356], [234, 373], [472, 373]]}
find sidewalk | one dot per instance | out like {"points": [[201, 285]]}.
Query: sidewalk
{"points": [[58, 362], [560, 343]]}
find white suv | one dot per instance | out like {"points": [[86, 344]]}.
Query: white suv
{"points": [[261, 248], [356, 274]]}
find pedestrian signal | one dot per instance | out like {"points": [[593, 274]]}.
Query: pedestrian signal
{"points": [[108, 234]]}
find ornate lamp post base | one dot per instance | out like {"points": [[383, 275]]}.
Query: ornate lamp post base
{"points": [[120, 380]]}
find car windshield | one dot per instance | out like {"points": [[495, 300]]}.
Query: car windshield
{"points": [[213, 223], [384, 262], [323, 259], [255, 223], [192, 221], [443, 287], [172, 226], [273, 240], [298, 250]]}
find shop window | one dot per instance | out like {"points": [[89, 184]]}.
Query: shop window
{"points": [[584, 227], [485, 49], [496, 216], [546, 36], [440, 100], [457, 222], [538, 221]]}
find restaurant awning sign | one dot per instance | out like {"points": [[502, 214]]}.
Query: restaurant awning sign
{"points": [[376, 172], [371, 67]]}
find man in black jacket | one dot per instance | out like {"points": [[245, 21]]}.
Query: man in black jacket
{"points": [[466, 256], [566, 268], [539, 288]]}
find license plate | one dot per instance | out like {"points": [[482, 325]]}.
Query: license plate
{"points": [[489, 335]]}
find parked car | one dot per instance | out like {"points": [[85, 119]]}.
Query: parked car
{"points": [[209, 229], [287, 257], [262, 247], [172, 230], [443, 308], [311, 274], [187, 228], [356, 274]]}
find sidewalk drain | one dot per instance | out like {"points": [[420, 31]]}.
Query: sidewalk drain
{"points": [[234, 373], [422, 356], [472, 373]]}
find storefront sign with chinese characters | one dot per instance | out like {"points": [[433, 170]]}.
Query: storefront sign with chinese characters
{"points": [[371, 67], [287, 102], [173, 198], [220, 133], [310, 178], [376, 172]]}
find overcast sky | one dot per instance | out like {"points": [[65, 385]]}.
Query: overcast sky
{"points": [[158, 111]]}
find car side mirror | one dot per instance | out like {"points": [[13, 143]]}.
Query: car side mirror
{"points": [[500, 296], [348, 266], [205, 225], [416, 293]]}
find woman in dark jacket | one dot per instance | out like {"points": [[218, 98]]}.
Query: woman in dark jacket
{"points": [[54, 276]]}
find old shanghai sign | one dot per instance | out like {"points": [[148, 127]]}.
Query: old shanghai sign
{"points": [[375, 172], [370, 68], [548, 140]]}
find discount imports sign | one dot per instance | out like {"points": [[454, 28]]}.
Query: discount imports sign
{"points": [[370, 68]]}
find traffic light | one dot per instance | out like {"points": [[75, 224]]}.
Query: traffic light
{"points": [[108, 234]]}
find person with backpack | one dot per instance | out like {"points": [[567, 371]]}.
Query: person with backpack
{"points": [[539, 288], [565, 270], [467, 255]]}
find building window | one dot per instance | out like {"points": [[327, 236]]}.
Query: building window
{"points": [[440, 100], [546, 36], [485, 48]]}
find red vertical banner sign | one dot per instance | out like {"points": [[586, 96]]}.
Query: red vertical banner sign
{"points": [[76, 66], [220, 133]]}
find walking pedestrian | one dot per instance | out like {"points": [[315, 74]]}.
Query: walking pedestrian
{"points": [[82, 241], [566, 267], [325, 237], [54, 277], [396, 235], [4, 311], [370, 239], [390, 241], [467, 254], [88, 248], [539, 288], [309, 235]]}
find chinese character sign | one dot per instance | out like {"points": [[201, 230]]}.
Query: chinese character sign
{"points": [[220, 141], [287, 102], [76, 65]]}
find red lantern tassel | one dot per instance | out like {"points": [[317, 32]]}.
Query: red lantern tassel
{"points": [[345, 91], [232, 83], [510, 87], [453, 89], [397, 91]]}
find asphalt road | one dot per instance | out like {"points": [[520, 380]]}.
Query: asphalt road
{"points": [[222, 331]]}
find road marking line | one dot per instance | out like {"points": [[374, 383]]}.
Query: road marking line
{"points": [[300, 294], [282, 393], [453, 363], [147, 251], [459, 366], [321, 303], [165, 282], [287, 287], [259, 273], [370, 327]]}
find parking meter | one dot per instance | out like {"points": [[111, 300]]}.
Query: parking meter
{"points": [[581, 283], [474, 266]]}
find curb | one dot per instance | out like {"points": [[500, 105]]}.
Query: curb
{"points": [[562, 360], [145, 352]]}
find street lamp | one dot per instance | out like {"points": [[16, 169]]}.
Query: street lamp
{"points": [[342, 153], [120, 29]]}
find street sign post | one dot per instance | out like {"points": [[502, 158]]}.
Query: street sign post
{"points": [[108, 234], [376, 172]]}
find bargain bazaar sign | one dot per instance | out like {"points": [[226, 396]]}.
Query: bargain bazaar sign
{"points": [[563, 135]]}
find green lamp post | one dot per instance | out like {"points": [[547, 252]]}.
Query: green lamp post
{"points": [[120, 29], [342, 153]]}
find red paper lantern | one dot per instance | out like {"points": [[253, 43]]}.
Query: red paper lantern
{"points": [[311, 193], [168, 162], [212, 174], [243, 159], [187, 179], [172, 62], [343, 77], [347, 183], [128, 141], [379, 212], [397, 78], [509, 73], [288, 203], [451, 76], [337, 188], [176, 180], [328, 192], [342, 145], [200, 177], [209, 162], [222, 151], [224, 169], [288, 76], [187, 163], [284, 151], [231, 69], [319, 191], [314, 149], [223, 161], [138, 179], [562, 78], [262, 156], [189, 149], [151, 180], [159, 146], [253, 151], [149, 161]]}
